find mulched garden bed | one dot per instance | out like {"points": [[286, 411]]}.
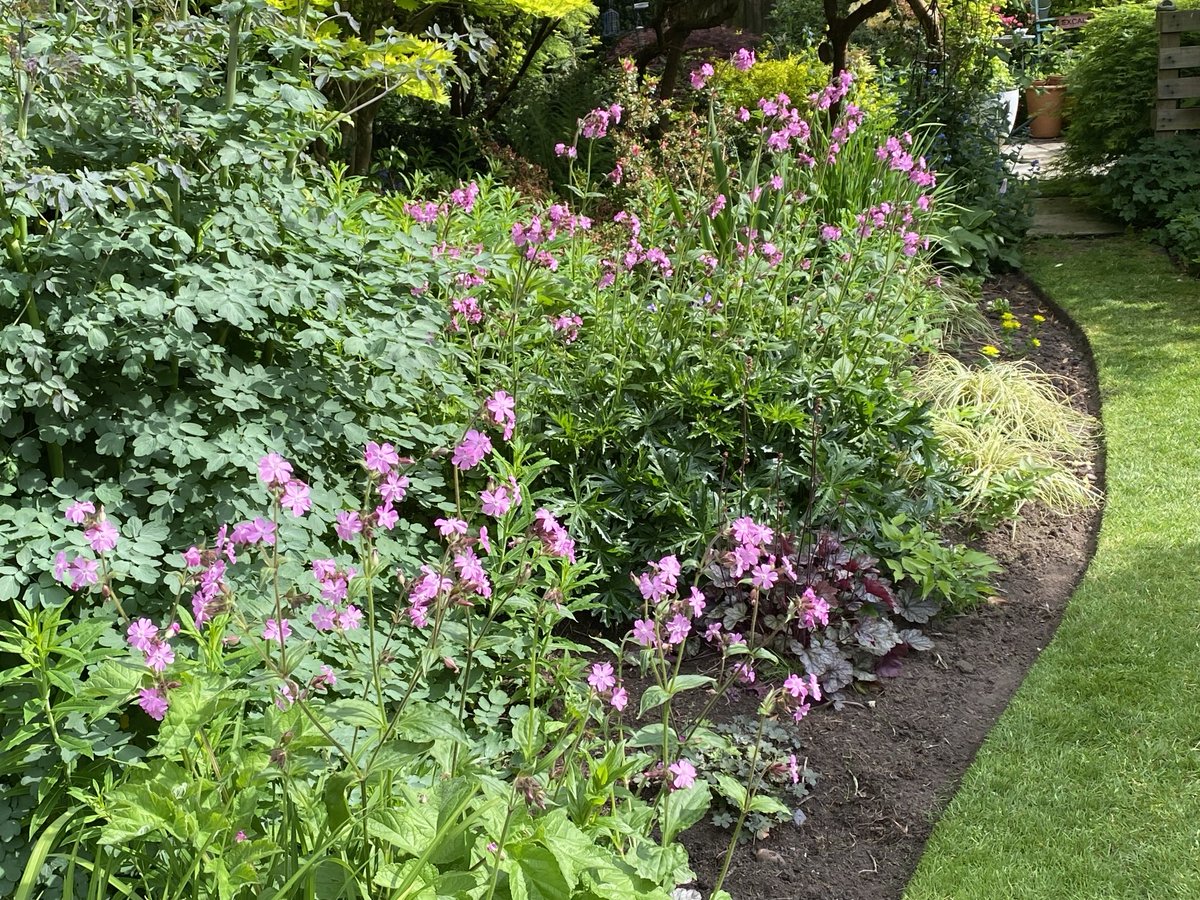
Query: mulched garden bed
{"points": [[888, 765]]}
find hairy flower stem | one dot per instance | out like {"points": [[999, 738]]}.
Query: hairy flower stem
{"points": [[751, 790], [232, 60]]}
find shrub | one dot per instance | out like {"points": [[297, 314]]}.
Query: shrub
{"points": [[1158, 186], [1112, 85], [182, 289]]}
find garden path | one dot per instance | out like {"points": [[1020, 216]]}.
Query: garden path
{"points": [[1058, 216]]}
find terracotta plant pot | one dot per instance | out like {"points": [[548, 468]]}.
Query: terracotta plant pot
{"points": [[1044, 101]]}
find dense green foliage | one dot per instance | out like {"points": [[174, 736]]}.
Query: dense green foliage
{"points": [[1157, 186], [1112, 84]]}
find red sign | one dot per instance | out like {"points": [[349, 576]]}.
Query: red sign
{"points": [[1076, 21]]}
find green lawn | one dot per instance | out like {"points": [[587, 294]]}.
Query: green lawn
{"points": [[1089, 786]]}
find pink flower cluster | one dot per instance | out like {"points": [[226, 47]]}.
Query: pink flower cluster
{"points": [[604, 682], [276, 473], [833, 92], [334, 614], [596, 123], [497, 500], [465, 309], [532, 236], [568, 323], [157, 654], [659, 586], [700, 76], [471, 451], [896, 152], [555, 540], [101, 535], [502, 406], [425, 213], [743, 60], [464, 197], [797, 691]]}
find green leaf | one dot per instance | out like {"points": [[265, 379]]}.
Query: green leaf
{"points": [[652, 697], [684, 809], [534, 873], [769, 806], [732, 790]]}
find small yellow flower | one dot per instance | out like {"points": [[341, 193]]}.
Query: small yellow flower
{"points": [[1035, 342], [1039, 319], [1010, 324], [989, 350]]}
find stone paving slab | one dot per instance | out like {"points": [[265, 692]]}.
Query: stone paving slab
{"points": [[1067, 217]]}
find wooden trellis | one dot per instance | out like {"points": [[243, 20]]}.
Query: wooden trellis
{"points": [[1173, 60]]}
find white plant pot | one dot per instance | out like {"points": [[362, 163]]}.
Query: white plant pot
{"points": [[1002, 108]]}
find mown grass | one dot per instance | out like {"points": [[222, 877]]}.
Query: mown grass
{"points": [[1089, 786]]}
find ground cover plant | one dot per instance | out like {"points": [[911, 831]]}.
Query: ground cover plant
{"points": [[1093, 753]]}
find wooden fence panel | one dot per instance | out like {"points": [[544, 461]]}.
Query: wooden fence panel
{"points": [[1173, 60]]}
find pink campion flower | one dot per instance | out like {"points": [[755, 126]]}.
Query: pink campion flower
{"points": [[273, 470], [830, 233], [324, 569], [569, 324], [615, 112], [159, 655], [348, 524], [684, 772], [617, 175], [60, 566], [718, 204], [464, 198], [240, 836], [713, 631], [561, 149], [700, 76], [696, 602], [324, 618], [595, 124], [744, 557], [764, 576], [471, 572], [813, 609], [447, 527], [678, 629], [141, 634], [326, 678], [349, 618], [502, 406], [800, 711], [601, 678], [173, 629], [279, 630], [474, 447], [386, 516], [83, 572], [78, 511], [796, 686], [743, 114], [484, 541], [619, 699], [743, 60], [777, 182], [102, 536], [426, 213], [289, 693], [191, 557], [153, 702], [772, 254], [645, 633], [496, 502], [380, 458], [747, 531], [394, 488], [793, 769], [744, 673]]}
